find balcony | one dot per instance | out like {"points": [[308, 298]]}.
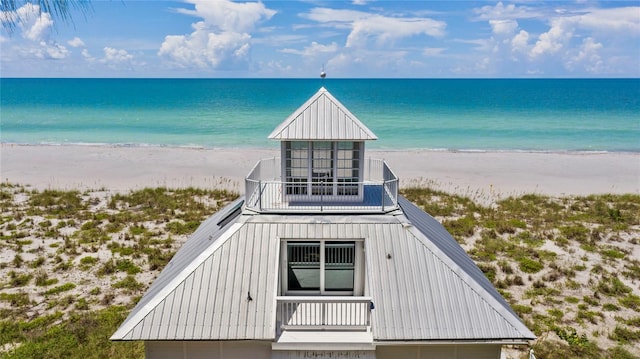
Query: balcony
{"points": [[324, 323], [324, 313], [267, 193]]}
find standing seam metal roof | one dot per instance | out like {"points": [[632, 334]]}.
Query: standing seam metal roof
{"points": [[420, 293], [434, 290], [322, 117]]}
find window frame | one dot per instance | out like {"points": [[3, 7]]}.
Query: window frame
{"points": [[358, 268], [334, 169]]}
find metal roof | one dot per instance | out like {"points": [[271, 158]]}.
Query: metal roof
{"points": [[427, 290], [322, 117], [205, 238]]}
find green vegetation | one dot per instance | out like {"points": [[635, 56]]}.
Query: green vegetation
{"points": [[82, 335], [560, 262], [571, 255], [59, 289]]}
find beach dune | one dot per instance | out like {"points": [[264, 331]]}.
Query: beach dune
{"points": [[493, 174]]}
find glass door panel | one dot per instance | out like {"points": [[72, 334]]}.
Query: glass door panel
{"points": [[297, 167], [303, 266], [322, 168], [339, 266]]}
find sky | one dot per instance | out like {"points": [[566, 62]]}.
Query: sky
{"points": [[349, 39]]}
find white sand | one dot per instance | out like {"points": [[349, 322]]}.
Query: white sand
{"points": [[494, 174]]}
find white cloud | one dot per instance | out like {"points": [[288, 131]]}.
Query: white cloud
{"points": [[587, 57], [35, 25], [54, 51], [614, 23], [552, 41], [503, 27], [509, 12], [326, 15], [115, 56], [381, 29], [313, 50], [221, 39], [387, 29], [623, 20], [205, 49], [224, 15], [520, 42], [85, 53], [75, 42]]}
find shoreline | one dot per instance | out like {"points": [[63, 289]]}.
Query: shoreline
{"points": [[277, 148], [483, 175]]}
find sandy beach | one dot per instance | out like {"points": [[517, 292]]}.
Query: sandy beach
{"points": [[493, 174]]}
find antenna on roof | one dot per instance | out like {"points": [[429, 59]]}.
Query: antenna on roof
{"points": [[323, 74]]}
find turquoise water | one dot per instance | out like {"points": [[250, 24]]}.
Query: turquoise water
{"points": [[496, 114]]}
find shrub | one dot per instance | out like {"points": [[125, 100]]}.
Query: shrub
{"points": [[18, 299], [59, 289], [630, 301], [528, 265], [624, 335], [610, 307], [19, 280], [129, 283], [126, 265], [461, 227], [42, 279], [612, 286]]}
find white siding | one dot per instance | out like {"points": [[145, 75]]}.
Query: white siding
{"points": [[208, 350], [462, 351]]}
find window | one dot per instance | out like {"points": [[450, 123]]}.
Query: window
{"points": [[322, 168], [297, 167], [322, 267], [348, 168]]}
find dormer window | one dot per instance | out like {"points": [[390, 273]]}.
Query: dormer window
{"points": [[323, 168], [322, 267]]}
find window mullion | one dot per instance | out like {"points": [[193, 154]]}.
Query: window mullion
{"points": [[322, 266]]}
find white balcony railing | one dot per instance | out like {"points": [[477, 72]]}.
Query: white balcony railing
{"points": [[266, 192], [324, 313]]}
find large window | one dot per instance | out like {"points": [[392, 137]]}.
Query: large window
{"points": [[322, 168], [322, 267]]}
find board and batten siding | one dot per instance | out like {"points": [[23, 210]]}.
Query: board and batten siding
{"points": [[208, 349], [464, 351]]}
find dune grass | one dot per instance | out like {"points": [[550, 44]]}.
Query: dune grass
{"points": [[74, 263]]}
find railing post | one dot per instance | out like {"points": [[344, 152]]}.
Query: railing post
{"points": [[260, 195], [382, 191]]}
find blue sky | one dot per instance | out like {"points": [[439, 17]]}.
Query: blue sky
{"points": [[289, 39]]}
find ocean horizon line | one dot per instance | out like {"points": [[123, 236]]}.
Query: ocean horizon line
{"points": [[319, 79]]}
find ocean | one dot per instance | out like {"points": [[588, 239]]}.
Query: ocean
{"points": [[548, 115]]}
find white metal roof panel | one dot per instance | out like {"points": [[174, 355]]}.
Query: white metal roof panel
{"points": [[212, 301], [322, 117], [420, 293]]}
